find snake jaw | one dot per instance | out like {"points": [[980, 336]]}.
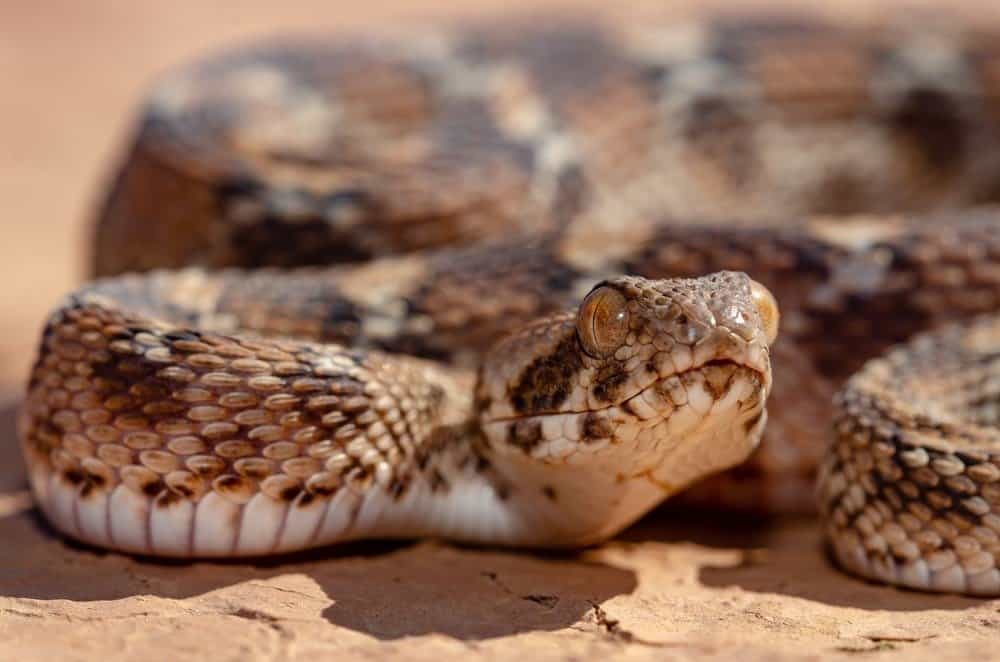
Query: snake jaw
{"points": [[624, 459]]}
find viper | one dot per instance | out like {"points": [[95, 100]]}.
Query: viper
{"points": [[490, 284]]}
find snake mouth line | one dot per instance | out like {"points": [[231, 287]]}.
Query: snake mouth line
{"points": [[736, 363], [733, 364]]}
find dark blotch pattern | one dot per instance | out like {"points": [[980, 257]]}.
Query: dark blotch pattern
{"points": [[525, 434], [609, 381], [546, 382], [595, 427]]}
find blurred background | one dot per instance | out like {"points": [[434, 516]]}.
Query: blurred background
{"points": [[73, 74]]}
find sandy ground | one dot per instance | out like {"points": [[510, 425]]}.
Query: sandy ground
{"points": [[676, 586]]}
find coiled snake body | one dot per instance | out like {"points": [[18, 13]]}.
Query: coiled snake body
{"points": [[472, 186]]}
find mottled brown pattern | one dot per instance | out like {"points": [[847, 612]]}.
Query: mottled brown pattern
{"points": [[909, 488], [525, 434], [546, 383], [135, 386], [516, 167]]}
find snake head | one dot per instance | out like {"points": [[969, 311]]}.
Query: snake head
{"points": [[674, 373]]}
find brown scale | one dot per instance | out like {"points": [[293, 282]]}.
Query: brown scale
{"points": [[200, 186], [803, 267], [142, 387], [290, 204], [911, 435], [401, 116]]}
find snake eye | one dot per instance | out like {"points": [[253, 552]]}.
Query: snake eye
{"points": [[767, 308], [602, 322]]}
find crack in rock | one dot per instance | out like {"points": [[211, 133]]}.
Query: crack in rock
{"points": [[269, 620]]}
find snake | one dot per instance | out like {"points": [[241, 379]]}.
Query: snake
{"points": [[516, 283]]}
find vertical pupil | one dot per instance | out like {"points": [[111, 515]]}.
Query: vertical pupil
{"points": [[602, 320], [601, 316], [607, 318]]}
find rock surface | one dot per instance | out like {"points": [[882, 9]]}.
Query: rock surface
{"points": [[676, 586]]}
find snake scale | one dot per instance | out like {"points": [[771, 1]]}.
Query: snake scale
{"points": [[489, 284]]}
